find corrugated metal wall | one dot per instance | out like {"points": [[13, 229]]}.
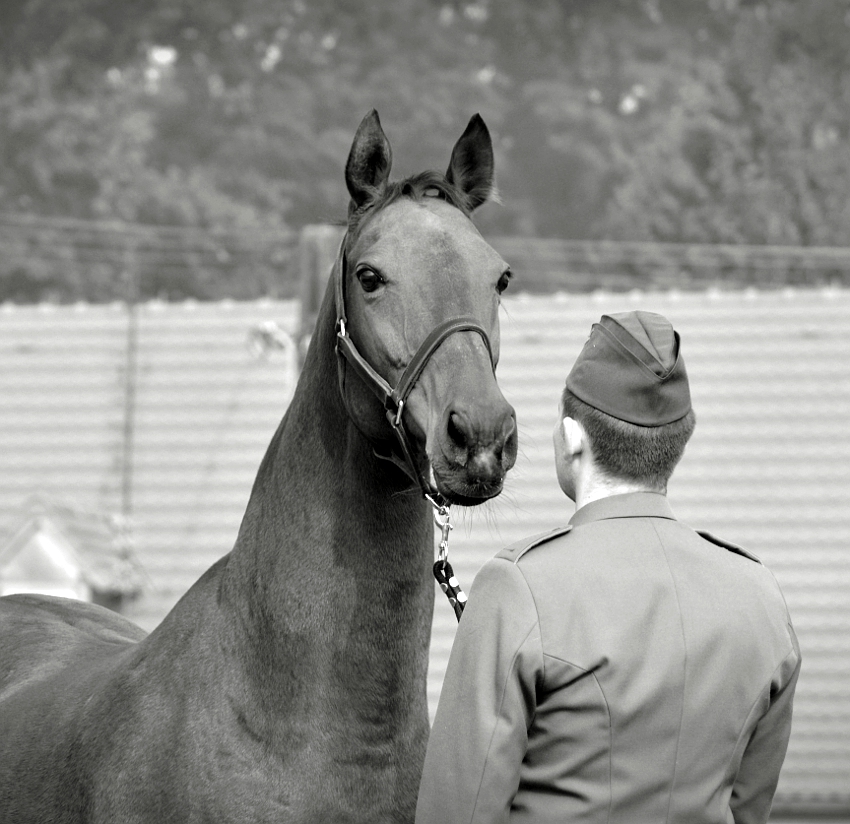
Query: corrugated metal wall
{"points": [[62, 403], [768, 467], [205, 406], [207, 409]]}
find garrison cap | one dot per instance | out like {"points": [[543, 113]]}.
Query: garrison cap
{"points": [[631, 368]]}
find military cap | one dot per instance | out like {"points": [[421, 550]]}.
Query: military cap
{"points": [[631, 368]]}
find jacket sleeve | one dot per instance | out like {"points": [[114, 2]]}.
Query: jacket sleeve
{"points": [[479, 736], [758, 775]]}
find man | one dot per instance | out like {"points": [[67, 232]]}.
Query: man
{"points": [[624, 668]]}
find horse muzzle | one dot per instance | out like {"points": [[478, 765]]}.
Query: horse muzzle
{"points": [[474, 453]]}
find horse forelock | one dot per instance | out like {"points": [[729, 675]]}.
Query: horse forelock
{"points": [[416, 187]]}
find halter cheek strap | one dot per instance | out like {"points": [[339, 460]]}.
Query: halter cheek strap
{"points": [[393, 399]]}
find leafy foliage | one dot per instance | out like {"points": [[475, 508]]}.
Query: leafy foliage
{"points": [[674, 120]]}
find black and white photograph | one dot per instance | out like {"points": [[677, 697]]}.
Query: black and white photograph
{"points": [[425, 412]]}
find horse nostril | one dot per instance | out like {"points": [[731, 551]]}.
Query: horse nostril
{"points": [[508, 429], [508, 455], [485, 449], [458, 438]]}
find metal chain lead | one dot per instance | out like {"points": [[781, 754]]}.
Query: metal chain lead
{"points": [[443, 519], [443, 571]]}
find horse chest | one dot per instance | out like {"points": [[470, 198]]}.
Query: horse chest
{"points": [[309, 784]]}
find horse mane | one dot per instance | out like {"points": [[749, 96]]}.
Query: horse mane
{"points": [[416, 187]]}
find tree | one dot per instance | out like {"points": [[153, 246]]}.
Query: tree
{"points": [[754, 145], [679, 120]]}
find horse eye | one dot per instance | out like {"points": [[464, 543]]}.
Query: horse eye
{"points": [[369, 280], [504, 280]]}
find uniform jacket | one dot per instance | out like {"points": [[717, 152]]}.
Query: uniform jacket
{"points": [[625, 670]]}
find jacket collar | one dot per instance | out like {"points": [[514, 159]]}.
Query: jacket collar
{"points": [[629, 505]]}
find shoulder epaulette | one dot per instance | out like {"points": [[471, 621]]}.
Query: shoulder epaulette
{"points": [[727, 545], [516, 550]]}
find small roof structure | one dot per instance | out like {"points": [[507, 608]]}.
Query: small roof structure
{"points": [[57, 549]]}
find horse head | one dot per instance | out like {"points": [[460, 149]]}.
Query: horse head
{"points": [[412, 261]]}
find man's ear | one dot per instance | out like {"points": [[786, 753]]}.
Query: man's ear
{"points": [[573, 436]]}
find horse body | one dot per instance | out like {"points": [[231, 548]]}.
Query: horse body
{"points": [[288, 684]]}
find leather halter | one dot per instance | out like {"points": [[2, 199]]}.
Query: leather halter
{"points": [[393, 399]]}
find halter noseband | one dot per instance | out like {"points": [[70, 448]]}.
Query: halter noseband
{"points": [[394, 399]]}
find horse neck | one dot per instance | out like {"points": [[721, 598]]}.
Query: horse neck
{"points": [[333, 539]]}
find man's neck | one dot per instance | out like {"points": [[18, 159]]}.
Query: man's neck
{"points": [[599, 487]]}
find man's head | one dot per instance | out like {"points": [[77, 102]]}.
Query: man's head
{"points": [[627, 402]]}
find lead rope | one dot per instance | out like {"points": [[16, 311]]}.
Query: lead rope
{"points": [[443, 571]]}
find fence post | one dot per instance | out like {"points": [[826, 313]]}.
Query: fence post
{"points": [[317, 249]]}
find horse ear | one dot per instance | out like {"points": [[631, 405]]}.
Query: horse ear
{"points": [[471, 166], [369, 160]]}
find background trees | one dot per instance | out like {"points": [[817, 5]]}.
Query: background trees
{"points": [[673, 120]]}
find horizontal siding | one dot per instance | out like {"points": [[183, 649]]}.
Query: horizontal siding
{"points": [[768, 466], [206, 410], [61, 405]]}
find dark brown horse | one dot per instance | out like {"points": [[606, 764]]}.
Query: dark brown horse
{"points": [[288, 684]]}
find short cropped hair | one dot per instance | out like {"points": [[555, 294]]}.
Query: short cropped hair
{"points": [[628, 451]]}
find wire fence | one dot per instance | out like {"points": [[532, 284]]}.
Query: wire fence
{"points": [[65, 259]]}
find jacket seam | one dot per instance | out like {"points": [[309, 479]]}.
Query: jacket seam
{"points": [[544, 656], [779, 666], [510, 672], [496, 725], [610, 725], [684, 670], [540, 634]]}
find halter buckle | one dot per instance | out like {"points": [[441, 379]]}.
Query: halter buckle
{"points": [[399, 409], [443, 519]]}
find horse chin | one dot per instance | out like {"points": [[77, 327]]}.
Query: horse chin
{"points": [[456, 488], [469, 500]]}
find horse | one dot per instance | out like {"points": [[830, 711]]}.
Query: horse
{"points": [[288, 684]]}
